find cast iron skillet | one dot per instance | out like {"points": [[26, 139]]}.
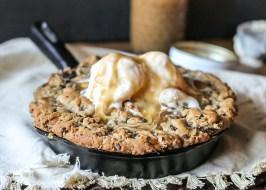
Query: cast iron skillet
{"points": [[146, 166]]}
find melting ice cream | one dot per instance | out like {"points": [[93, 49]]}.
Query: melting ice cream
{"points": [[149, 80]]}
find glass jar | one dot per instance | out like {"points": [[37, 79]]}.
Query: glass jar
{"points": [[157, 24]]}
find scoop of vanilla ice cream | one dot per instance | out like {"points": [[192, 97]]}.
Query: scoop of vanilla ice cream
{"points": [[114, 79], [161, 68], [173, 98]]}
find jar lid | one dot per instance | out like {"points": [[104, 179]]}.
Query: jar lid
{"points": [[202, 56]]}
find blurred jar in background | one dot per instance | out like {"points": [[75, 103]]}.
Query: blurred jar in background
{"points": [[157, 24]]}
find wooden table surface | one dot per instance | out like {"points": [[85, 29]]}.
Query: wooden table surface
{"points": [[125, 45]]}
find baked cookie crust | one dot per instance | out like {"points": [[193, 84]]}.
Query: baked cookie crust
{"points": [[59, 109]]}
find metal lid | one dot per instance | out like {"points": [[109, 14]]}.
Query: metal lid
{"points": [[200, 55]]}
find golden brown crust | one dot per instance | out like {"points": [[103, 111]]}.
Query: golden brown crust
{"points": [[59, 109]]}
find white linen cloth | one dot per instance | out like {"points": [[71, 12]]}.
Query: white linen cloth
{"points": [[25, 158]]}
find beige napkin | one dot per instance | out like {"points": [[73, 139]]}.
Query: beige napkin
{"points": [[26, 159]]}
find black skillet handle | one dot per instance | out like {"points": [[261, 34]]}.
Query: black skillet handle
{"points": [[51, 45]]}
